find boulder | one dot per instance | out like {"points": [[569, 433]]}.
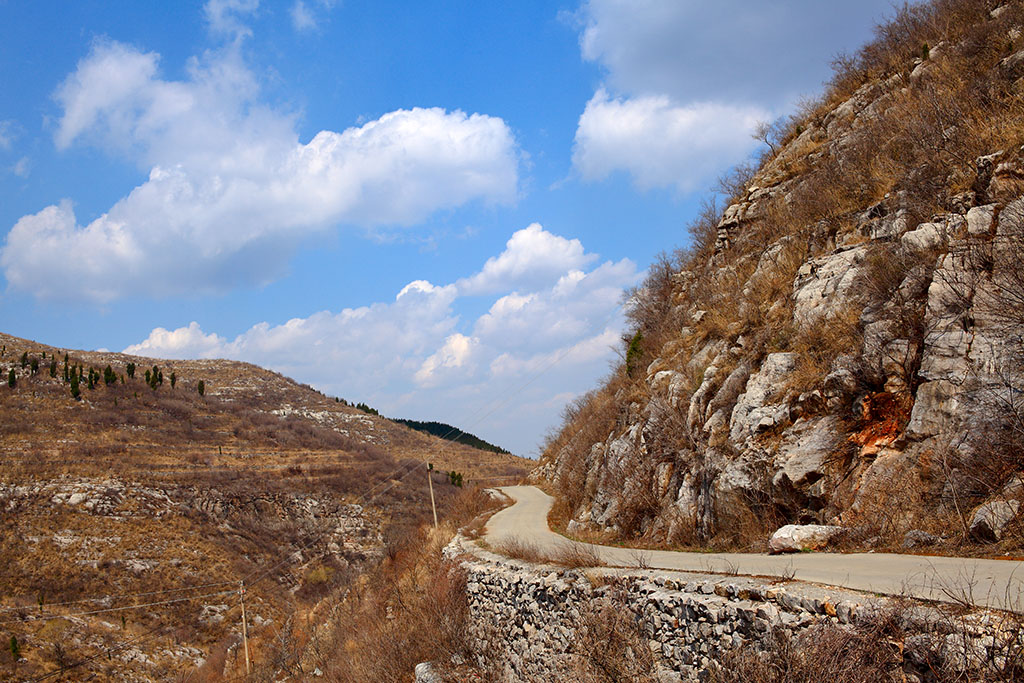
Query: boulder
{"points": [[927, 237], [794, 538], [805, 449], [979, 220], [991, 519], [425, 673]]}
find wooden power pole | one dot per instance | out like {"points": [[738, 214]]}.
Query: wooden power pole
{"points": [[245, 627], [430, 482]]}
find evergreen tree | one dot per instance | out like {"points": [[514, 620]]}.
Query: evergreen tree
{"points": [[35, 366], [11, 379], [53, 368], [130, 368], [15, 652], [148, 381], [201, 388], [24, 360], [75, 391], [109, 376], [174, 379]]}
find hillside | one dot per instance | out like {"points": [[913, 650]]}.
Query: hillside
{"points": [[134, 495], [843, 344]]}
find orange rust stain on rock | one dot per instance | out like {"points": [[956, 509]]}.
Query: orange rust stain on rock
{"points": [[884, 417]]}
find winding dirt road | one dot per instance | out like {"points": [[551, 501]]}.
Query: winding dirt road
{"points": [[992, 583]]}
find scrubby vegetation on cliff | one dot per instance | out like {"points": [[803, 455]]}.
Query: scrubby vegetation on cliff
{"points": [[843, 344]]}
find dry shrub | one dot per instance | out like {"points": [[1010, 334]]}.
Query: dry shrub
{"points": [[893, 501], [886, 645], [577, 556], [819, 343], [518, 549], [610, 646], [411, 609]]}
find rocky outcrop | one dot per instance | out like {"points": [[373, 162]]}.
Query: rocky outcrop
{"points": [[826, 362]]}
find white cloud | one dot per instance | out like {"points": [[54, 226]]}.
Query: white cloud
{"points": [[302, 17], [305, 17], [687, 79], [532, 257], [6, 134], [716, 51], [416, 357], [455, 353], [22, 167], [231, 188], [227, 17], [660, 143], [184, 342]]}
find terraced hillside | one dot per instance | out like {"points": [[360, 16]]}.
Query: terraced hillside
{"points": [[155, 494]]}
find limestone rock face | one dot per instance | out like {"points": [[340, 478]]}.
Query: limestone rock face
{"points": [[759, 407], [825, 284], [823, 362], [794, 538]]}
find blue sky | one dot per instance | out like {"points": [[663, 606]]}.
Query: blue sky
{"points": [[423, 206]]}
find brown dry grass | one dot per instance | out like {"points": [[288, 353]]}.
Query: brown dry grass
{"points": [[215, 488]]}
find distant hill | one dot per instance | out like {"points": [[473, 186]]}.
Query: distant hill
{"points": [[450, 433], [130, 475]]}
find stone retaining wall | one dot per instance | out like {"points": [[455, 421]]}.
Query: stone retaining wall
{"points": [[526, 617]]}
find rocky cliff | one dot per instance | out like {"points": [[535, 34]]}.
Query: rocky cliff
{"points": [[843, 344]]}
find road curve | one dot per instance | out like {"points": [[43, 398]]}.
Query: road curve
{"points": [[991, 583]]}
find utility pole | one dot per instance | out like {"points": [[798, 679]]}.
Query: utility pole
{"points": [[430, 481], [245, 628]]}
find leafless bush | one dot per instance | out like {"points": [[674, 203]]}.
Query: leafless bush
{"points": [[518, 549], [577, 556], [610, 645], [888, 644]]}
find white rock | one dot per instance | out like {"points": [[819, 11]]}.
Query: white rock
{"points": [[755, 409], [828, 286], [927, 237], [804, 451], [979, 219], [794, 538], [934, 409], [991, 519]]}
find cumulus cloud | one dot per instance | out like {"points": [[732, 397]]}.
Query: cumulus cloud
{"points": [[184, 342], [417, 357], [231, 187], [660, 143], [704, 51], [532, 256], [687, 79]]}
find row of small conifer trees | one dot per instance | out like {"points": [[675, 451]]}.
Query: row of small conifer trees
{"points": [[76, 375]]}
